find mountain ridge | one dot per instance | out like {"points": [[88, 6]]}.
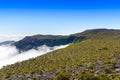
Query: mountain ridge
{"points": [[7, 43], [95, 57], [32, 42]]}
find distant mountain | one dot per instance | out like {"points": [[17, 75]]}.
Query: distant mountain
{"points": [[32, 42], [94, 55], [7, 43], [35, 41], [94, 32]]}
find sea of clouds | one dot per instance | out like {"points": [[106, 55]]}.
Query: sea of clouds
{"points": [[10, 54], [11, 37]]}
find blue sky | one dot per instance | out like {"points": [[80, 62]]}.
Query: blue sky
{"points": [[28, 17]]}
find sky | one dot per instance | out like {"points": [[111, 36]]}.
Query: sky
{"points": [[58, 17]]}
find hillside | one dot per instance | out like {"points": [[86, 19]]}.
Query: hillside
{"points": [[95, 57], [35, 41]]}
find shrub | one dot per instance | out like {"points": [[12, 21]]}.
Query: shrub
{"points": [[63, 76]]}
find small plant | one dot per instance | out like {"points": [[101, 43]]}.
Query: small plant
{"points": [[63, 76]]}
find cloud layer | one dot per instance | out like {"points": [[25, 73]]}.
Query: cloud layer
{"points": [[10, 55], [10, 37]]}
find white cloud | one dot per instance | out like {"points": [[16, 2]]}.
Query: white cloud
{"points": [[10, 37], [10, 55]]}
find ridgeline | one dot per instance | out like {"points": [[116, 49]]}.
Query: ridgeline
{"points": [[93, 55]]}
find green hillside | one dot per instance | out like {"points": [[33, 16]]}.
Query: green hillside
{"points": [[97, 57]]}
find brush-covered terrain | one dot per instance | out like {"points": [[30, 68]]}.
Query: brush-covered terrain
{"points": [[97, 57]]}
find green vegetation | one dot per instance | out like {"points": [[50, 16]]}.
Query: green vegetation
{"points": [[95, 58], [63, 76]]}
